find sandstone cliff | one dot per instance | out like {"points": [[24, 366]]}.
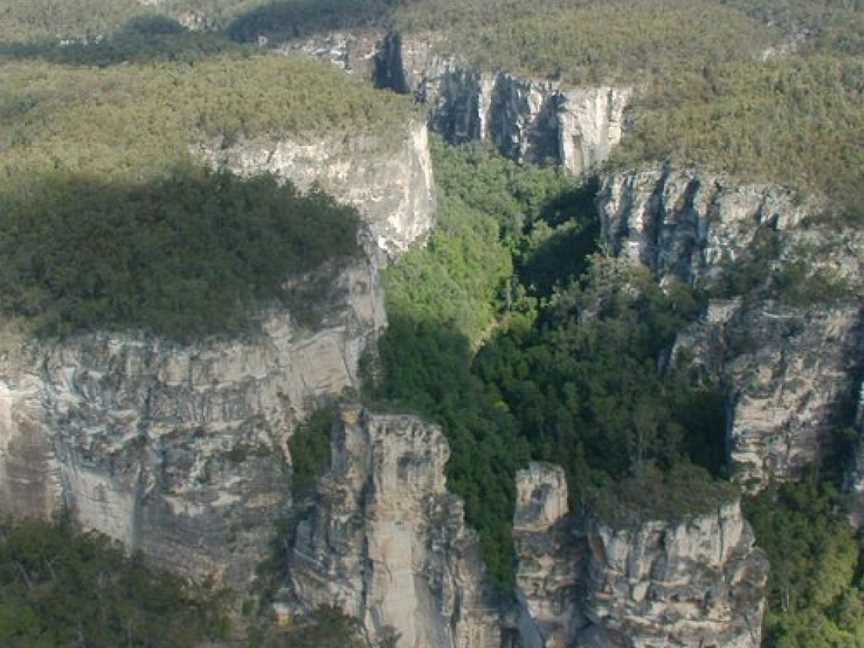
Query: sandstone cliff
{"points": [[697, 582], [387, 177], [528, 120], [179, 451], [786, 349], [388, 544]]}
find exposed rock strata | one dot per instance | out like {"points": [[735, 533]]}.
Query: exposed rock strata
{"points": [[178, 451], [387, 543], [387, 177], [789, 366], [528, 120], [552, 556], [697, 583]]}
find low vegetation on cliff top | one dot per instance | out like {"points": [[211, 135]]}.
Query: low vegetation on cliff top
{"points": [[109, 220], [796, 121]]}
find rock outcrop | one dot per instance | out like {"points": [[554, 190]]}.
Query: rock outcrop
{"points": [[179, 451], [388, 177], [788, 354], [387, 543], [528, 120], [355, 51], [697, 583], [551, 556]]}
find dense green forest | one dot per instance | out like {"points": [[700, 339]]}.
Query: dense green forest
{"points": [[59, 587], [524, 344], [518, 362]]}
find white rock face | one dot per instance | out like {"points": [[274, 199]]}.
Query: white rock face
{"points": [[178, 451], [528, 120], [695, 584], [387, 543], [388, 178], [790, 367]]}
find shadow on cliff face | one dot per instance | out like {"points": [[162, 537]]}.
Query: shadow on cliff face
{"points": [[144, 39], [194, 253]]}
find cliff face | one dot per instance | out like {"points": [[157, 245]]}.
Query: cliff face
{"points": [[698, 582], [387, 543], [551, 556], [178, 451], [788, 363], [528, 120], [388, 177]]}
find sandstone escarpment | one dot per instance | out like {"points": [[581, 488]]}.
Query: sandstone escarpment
{"points": [[528, 120], [581, 581], [387, 177], [697, 583], [179, 450], [387, 543], [787, 350]]}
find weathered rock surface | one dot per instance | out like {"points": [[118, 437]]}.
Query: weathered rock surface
{"points": [[788, 365], [178, 451], [387, 177], [387, 543], [551, 556], [528, 120], [698, 583]]}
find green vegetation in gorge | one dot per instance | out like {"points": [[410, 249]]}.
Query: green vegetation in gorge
{"points": [[492, 217], [310, 450], [62, 588], [568, 367], [815, 589]]}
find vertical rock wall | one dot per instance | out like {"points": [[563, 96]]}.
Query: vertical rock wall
{"points": [[388, 544], [528, 120], [387, 177], [788, 365], [179, 451]]}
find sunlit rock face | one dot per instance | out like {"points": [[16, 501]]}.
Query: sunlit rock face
{"points": [[179, 450], [528, 120], [388, 544], [581, 581], [790, 366], [387, 177], [698, 583]]}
